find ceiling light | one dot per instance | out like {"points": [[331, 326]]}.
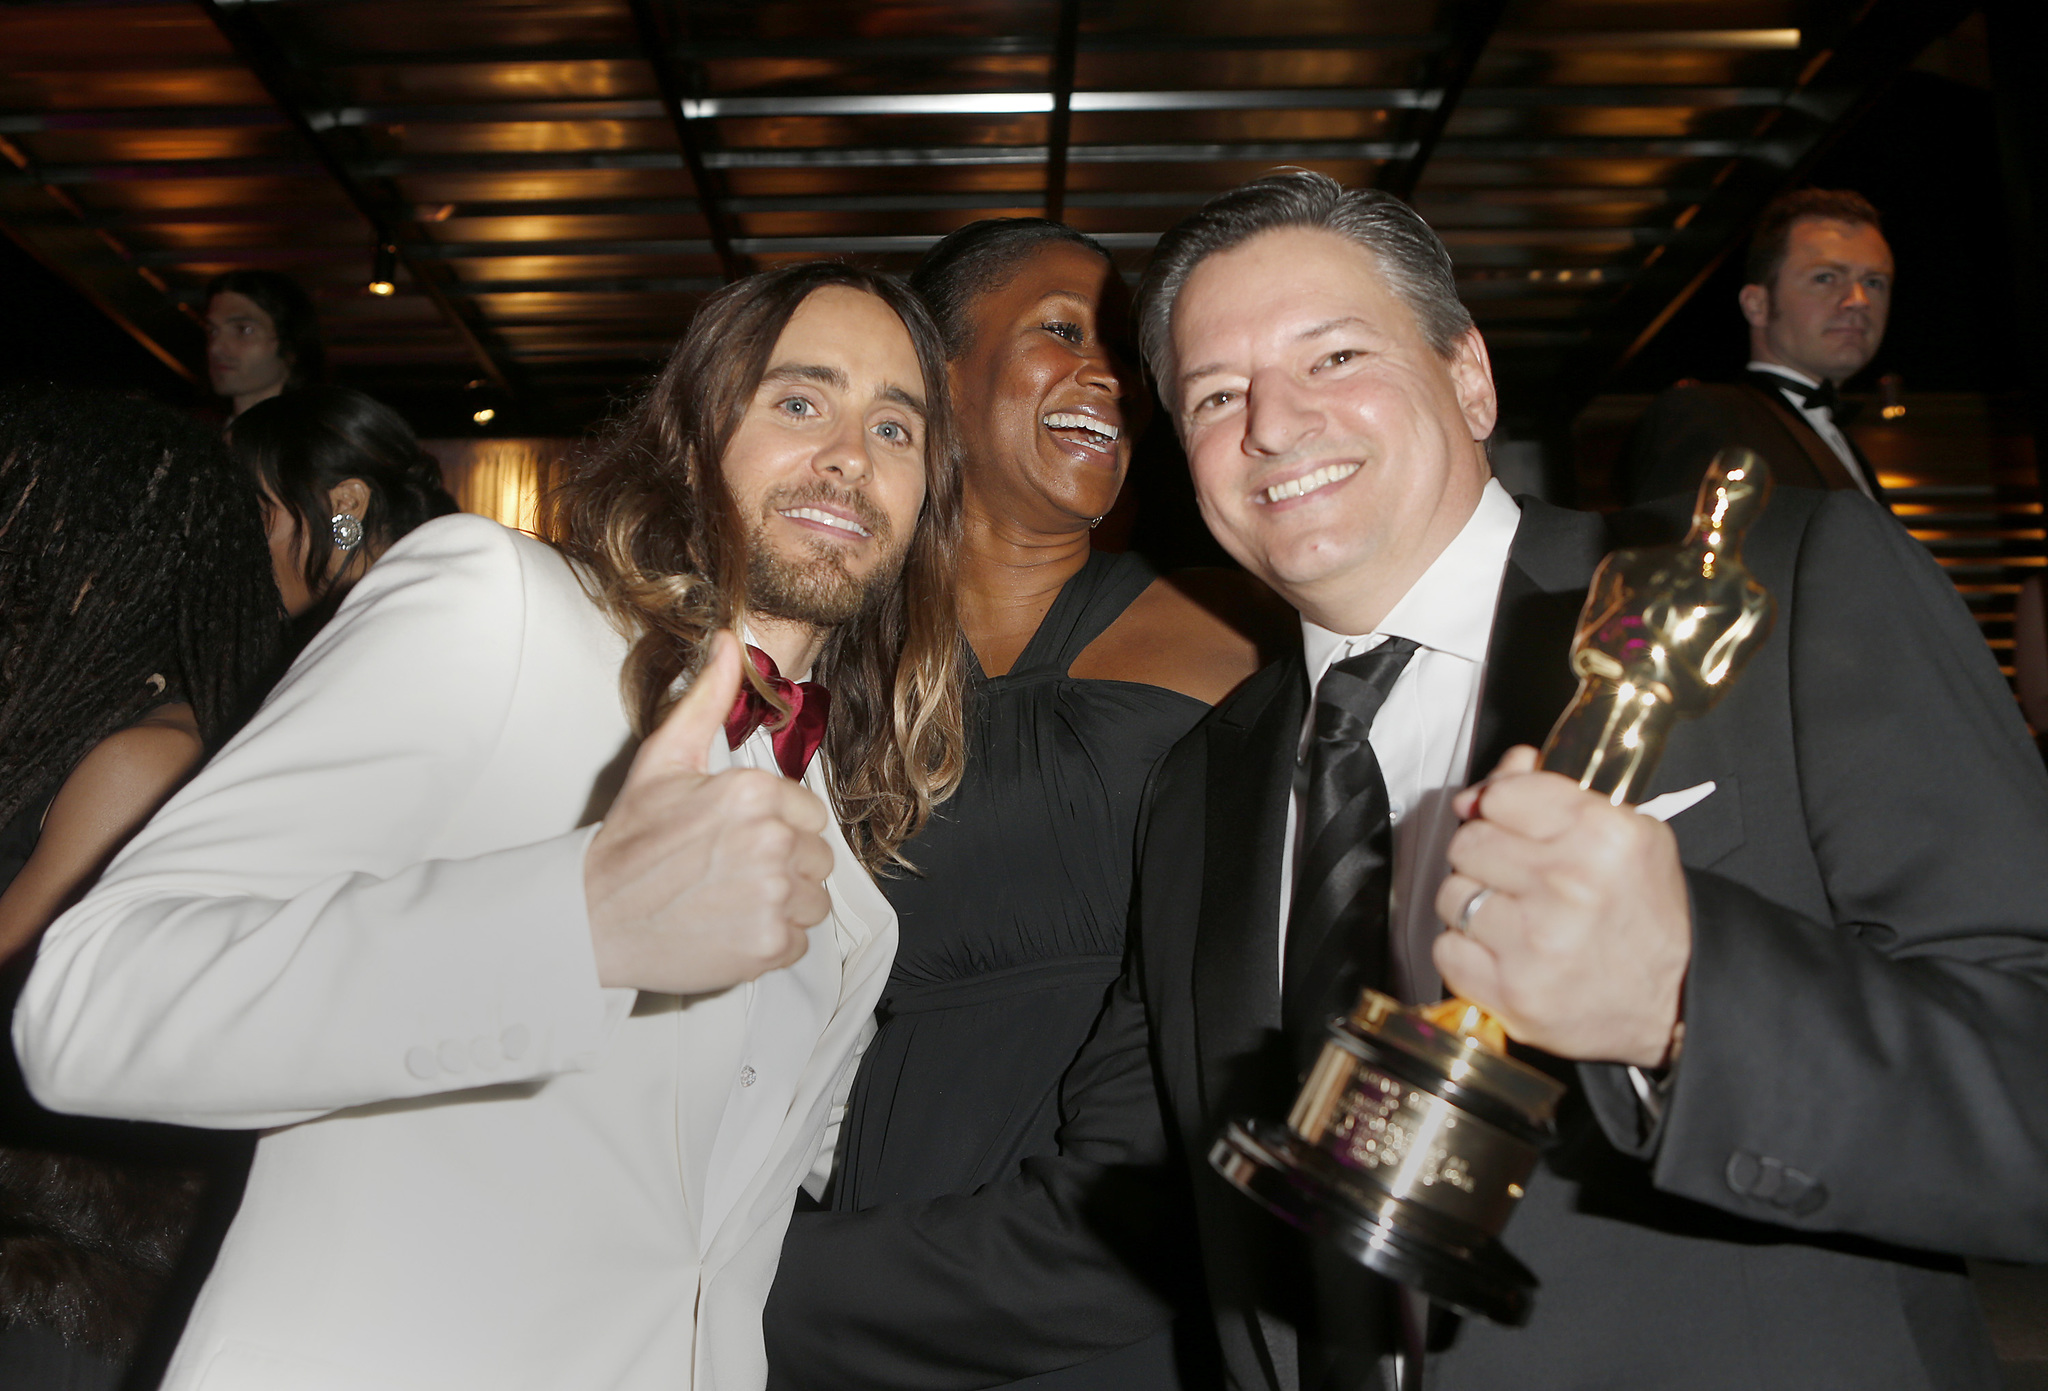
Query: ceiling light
{"points": [[484, 416], [384, 270]]}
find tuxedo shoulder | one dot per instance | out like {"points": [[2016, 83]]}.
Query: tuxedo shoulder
{"points": [[1259, 690], [1691, 395]]}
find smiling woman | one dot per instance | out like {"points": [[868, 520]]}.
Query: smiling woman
{"points": [[1086, 668]]}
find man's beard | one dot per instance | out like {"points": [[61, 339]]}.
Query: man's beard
{"points": [[814, 586]]}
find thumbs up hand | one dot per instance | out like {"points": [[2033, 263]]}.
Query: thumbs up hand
{"points": [[698, 880]]}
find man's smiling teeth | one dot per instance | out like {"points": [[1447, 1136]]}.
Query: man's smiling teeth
{"points": [[1308, 482], [814, 514], [1063, 420]]}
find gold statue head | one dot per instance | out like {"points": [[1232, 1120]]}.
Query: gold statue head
{"points": [[1731, 496], [1664, 631]]}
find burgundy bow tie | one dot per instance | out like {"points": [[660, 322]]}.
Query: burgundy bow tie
{"points": [[798, 739]]}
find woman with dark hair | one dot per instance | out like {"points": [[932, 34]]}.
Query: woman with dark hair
{"points": [[262, 337], [544, 1024], [138, 623], [1088, 666], [342, 478]]}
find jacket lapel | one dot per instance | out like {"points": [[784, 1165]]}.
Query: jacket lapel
{"points": [[1529, 679], [1828, 464], [1251, 753]]}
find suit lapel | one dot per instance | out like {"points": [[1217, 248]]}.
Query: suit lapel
{"points": [[1828, 464], [1529, 679], [1251, 753], [1241, 1060]]}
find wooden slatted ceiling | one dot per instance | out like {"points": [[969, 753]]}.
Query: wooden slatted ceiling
{"points": [[1583, 159]]}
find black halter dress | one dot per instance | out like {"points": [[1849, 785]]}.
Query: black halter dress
{"points": [[1011, 934]]}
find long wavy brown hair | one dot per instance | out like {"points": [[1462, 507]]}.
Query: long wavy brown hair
{"points": [[648, 520]]}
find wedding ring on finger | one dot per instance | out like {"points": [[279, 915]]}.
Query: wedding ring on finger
{"points": [[1464, 922]]}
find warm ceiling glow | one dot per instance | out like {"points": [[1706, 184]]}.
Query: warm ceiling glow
{"points": [[484, 416], [382, 287]]}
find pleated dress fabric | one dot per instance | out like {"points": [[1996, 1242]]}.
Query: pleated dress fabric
{"points": [[1013, 929]]}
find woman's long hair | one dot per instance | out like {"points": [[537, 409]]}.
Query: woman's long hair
{"points": [[131, 548], [649, 519], [303, 443]]}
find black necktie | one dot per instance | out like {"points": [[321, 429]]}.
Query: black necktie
{"points": [[1337, 927]]}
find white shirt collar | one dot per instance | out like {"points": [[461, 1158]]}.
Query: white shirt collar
{"points": [[746, 637], [1781, 370], [1450, 609]]}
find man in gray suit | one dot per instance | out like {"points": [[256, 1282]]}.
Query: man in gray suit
{"points": [[1802, 1022]]}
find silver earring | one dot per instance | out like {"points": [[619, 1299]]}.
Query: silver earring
{"points": [[348, 531], [1097, 522]]}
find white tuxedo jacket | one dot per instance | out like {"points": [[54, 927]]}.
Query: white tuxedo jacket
{"points": [[362, 927]]}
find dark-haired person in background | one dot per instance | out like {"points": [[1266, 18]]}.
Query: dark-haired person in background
{"points": [[1818, 287], [1087, 667], [138, 622], [262, 337], [342, 477]]}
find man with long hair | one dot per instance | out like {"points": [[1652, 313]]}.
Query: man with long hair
{"points": [[543, 979], [262, 337]]}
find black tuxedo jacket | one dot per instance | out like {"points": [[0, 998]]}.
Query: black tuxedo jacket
{"points": [[1865, 1076], [1686, 426]]}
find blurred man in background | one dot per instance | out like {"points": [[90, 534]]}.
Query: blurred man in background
{"points": [[1818, 290], [262, 337]]}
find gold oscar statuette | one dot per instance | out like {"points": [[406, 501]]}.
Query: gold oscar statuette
{"points": [[1415, 1131]]}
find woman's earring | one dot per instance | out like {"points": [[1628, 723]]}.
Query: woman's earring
{"points": [[1097, 522], [348, 531]]}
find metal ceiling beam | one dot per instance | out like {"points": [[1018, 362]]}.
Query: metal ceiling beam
{"points": [[655, 50], [267, 62], [1443, 202], [923, 103], [140, 118], [852, 48], [1480, 19], [820, 245], [1485, 284], [1060, 128], [1779, 152]]}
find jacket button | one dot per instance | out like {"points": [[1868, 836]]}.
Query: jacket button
{"points": [[746, 1076], [1811, 1201], [483, 1051], [512, 1043], [420, 1062], [454, 1057], [1743, 1171], [1801, 1194], [1769, 1182]]}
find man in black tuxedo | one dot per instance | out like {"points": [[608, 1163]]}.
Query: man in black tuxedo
{"points": [[1803, 1019], [1817, 291]]}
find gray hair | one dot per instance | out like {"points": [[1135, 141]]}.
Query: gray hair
{"points": [[1406, 252]]}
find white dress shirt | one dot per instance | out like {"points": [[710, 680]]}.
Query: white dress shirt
{"points": [[1423, 734], [1822, 421], [786, 1012]]}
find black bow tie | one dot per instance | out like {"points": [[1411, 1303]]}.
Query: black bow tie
{"points": [[1814, 398]]}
